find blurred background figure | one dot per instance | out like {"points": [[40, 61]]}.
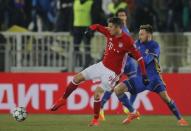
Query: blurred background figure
{"points": [[115, 5], [97, 13], [82, 20], [14, 12], [43, 15], [186, 15], [19, 16], [2, 54], [6, 9], [64, 15], [122, 14], [143, 14], [174, 15]]}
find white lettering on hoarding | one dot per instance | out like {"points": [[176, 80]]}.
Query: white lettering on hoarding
{"points": [[25, 96], [9, 104], [49, 90], [143, 98], [84, 99], [31, 95]]}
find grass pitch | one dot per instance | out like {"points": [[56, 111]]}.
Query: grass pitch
{"points": [[80, 123]]}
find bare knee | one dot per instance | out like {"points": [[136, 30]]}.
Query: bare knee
{"points": [[98, 92], [120, 89], [97, 96], [78, 78]]}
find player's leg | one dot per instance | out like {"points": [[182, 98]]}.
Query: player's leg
{"points": [[89, 73], [97, 106], [73, 84], [133, 98], [105, 98], [69, 89], [172, 106], [120, 90], [108, 80]]}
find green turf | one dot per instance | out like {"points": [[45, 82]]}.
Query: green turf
{"points": [[80, 123]]}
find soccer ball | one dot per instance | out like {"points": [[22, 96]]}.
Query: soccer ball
{"points": [[20, 114]]}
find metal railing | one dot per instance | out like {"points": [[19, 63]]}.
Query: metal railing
{"points": [[35, 52], [55, 52]]}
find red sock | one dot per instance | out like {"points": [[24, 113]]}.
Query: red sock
{"points": [[97, 106], [69, 89]]}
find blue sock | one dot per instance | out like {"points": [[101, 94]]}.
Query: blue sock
{"points": [[125, 101], [132, 99], [174, 109], [105, 98]]}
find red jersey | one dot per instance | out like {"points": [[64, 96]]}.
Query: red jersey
{"points": [[117, 49]]}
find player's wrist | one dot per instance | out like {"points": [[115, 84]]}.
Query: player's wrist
{"points": [[93, 27]]}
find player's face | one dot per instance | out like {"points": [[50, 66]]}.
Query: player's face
{"points": [[113, 29], [143, 36], [122, 16]]}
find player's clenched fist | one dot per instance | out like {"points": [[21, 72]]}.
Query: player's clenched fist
{"points": [[89, 32]]}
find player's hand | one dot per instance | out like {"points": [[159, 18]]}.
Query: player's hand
{"points": [[145, 79], [89, 33]]}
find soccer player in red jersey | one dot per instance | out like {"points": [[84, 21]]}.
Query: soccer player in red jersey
{"points": [[119, 44]]}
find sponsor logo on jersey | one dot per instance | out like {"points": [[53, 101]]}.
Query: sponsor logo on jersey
{"points": [[147, 51]]}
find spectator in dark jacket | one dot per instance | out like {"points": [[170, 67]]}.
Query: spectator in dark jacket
{"points": [[64, 15], [97, 13], [174, 15], [143, 14]]}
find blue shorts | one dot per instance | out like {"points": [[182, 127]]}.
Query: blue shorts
{"points": [[135, 85]]}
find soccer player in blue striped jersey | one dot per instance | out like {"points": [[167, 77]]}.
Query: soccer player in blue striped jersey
{"points": [[130, 69], [150, 52]]}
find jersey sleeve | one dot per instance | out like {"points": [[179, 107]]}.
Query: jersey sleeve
{"points": [[153, 53], [99, 28], [131, 48]]}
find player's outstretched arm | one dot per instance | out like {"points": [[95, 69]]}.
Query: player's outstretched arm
{"points": [[99, 28], [136, 54]]}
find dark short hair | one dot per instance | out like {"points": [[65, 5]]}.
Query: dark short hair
{"points": [[121, 10], [148, 28], [116, 21]]}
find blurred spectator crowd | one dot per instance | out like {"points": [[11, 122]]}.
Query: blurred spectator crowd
{"points": [[75, 15]]}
